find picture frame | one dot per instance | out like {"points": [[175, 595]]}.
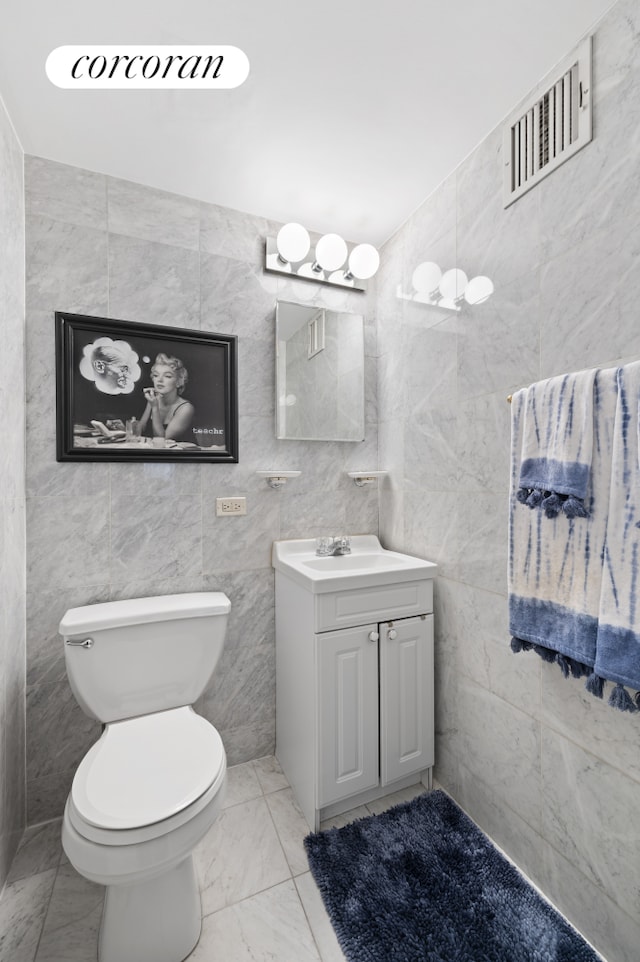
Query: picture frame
{"points": [[127, 391]]}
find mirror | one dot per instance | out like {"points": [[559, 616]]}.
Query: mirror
{"points": [[319, 374]]}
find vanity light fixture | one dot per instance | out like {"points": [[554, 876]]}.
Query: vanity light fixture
{"points": [[331, 262], [331, 253], [293, 243], [364, 261], [478, 290], [449, 290]]}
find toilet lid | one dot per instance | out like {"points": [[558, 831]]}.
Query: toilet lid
{"points": [[144, 770]]}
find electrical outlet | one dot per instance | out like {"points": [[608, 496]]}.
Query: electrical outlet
{"points": [[227, 506]]}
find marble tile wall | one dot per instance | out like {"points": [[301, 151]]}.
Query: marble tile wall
{"points": [[100, 246], [546, 769], [12, 500]]}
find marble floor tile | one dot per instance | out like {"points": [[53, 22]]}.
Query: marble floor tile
{"points": [[375, 807], [242, 784], [291, 827], [404, 795], [337, 821], [269, 927], [240, 856], [71, 927], [270, 775], [22, 911], [39, 850], [318, 919]]}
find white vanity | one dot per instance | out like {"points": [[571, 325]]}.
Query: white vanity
{"points": [[354, 673]]}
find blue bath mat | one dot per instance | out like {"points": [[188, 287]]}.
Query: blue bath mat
{"points": [[421, 883]]}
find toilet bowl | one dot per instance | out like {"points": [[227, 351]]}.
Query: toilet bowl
{"points": [[150, 788], [138, 806]]}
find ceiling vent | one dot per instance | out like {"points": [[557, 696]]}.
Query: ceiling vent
{"points": [[552, 125]]}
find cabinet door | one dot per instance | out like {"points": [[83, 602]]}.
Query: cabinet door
{"points": [[406, 697], [347, 663]]}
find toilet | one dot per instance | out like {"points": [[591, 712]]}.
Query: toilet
{"points": [[149, 789]]}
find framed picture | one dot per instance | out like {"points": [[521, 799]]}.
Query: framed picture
{"points": [[136, 392]]}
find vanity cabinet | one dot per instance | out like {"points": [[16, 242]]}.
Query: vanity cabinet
{"points": [[354, 682], [375, 706]]}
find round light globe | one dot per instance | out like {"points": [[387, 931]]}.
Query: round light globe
{"points": [[478, 290], [331, 252], [364, 261], [426, 277], [293, 242], [453, 284]]}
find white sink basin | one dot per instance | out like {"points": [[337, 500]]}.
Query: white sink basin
{"points": [[355, 562], [368, 565]]}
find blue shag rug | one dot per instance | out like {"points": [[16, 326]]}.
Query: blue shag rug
{"points": [[422, 882]]}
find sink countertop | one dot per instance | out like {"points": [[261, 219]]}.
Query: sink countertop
{"points": [[368, 565]]}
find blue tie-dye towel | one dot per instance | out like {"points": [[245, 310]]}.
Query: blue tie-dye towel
{"points": [[618, 637], [555, 566], [557, 444], [574, 580]]}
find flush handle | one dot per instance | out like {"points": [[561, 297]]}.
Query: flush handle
{"points": [[85, 643]]}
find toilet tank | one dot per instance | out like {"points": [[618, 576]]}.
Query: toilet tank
{"points": [[145, 654]]}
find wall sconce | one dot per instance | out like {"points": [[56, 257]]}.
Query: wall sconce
{"points": [[449, 290], [331, 262]]}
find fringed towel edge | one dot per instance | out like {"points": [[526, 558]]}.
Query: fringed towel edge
{"points": [[552, 502], [619, 697]]}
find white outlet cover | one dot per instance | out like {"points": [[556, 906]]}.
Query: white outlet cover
{"points": [[224, 506]]}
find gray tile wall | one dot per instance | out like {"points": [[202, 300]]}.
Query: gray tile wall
{"points": [[12, 502], [549, 771], [105, 247]]}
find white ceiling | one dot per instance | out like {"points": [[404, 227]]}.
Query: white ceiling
{"points": [[353, 112]]}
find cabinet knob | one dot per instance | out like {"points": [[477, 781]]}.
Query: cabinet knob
{"points": [[373, 636], [392, 634]]}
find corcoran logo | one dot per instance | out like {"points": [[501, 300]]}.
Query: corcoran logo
{"points": [[148, 67]]}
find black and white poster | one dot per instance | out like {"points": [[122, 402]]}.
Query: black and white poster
{"points": [[136, 392]]}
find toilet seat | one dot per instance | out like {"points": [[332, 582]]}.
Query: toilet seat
{"points": [[145, 772], [135, 836]]}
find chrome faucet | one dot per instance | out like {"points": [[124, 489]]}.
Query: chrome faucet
{"points": [[333, 546]]}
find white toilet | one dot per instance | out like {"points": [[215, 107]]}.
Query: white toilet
{"points": [[151, 786]]}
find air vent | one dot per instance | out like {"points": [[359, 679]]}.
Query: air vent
{"points": [[551, 127]]}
